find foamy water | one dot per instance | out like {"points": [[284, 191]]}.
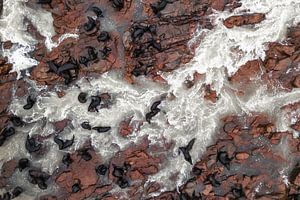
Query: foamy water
{"points": [[13, 28], [181, 119]]}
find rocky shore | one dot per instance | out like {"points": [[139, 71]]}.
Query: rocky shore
{"points": [[249, 157]]}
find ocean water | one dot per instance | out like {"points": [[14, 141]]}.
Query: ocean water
{"points": [[186, 116]]}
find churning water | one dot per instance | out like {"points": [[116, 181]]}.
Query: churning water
{"points": [[182, 118]]}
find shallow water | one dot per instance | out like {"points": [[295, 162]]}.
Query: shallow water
{"points": [[187, 116]]}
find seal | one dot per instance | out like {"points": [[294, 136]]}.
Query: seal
{"points": [[63, 144], [31, 145], [30, 102], [186, 151], [23, 164], [102, 129]]}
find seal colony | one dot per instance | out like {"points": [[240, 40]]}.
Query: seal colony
{"points": [[121, 111]]}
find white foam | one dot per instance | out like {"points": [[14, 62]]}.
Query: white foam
{"points": [[13, 28], [231, 48]]}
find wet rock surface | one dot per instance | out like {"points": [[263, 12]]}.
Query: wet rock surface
{"points": [[134, 37], [248, 159], [280, 67], [241, 20]]}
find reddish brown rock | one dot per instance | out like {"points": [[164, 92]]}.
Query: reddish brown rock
{"points": [[242, 156], [210, 94], [6, 89], [280, 67], [162, 50], [125, 128], [61, 125], [246, 19], [241, 153], [4, 66], [82, 172], [9, 168], [247, 72], [7, 45], [296, 82]]}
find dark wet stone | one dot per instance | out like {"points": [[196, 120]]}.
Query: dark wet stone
{"points": [[101, 169], [17, 191], [102, 129], [186, 151], [76, 188], [23, 164], [67, 159], [31, 145], [86, 125], [82, 97]]}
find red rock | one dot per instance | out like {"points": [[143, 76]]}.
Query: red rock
{"points": [[6, 89], [246, 19], [210, 94], [153, 187], [242, 156], [218, 4], [9, 168], [125, 128], [60, 93], [173, 37], [207, 190], [7, 45], [3, 182], [48, 197], [296, 82], [80, 171], [21, 87], [246, 72], [60, 125]]}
